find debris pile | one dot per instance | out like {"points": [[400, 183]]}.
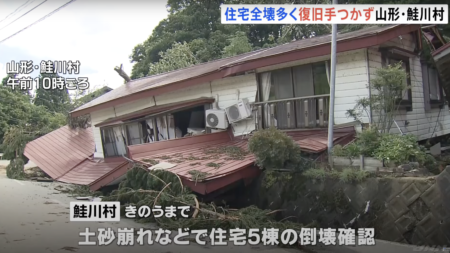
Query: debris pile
{"points": [[35, 173], [164, 188]]}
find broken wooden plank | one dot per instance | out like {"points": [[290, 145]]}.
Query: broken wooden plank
{"points": [[41, 179]]}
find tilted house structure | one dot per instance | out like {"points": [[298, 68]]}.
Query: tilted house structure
{"points": [[286, 86]]}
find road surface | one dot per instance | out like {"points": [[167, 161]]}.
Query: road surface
{"points": [[35, 218]]}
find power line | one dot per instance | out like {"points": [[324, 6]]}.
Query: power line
{"points": [[15, 11], [46, 16], [23, 14]]}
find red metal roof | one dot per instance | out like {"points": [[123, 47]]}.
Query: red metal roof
{"points": [[66, 155], [205, 72], [88, 171], [312, 141], [178, 152], [316, 141], [194, 146], [58, 152]]}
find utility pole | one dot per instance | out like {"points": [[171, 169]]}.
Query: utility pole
{"points": [[332, 91]]}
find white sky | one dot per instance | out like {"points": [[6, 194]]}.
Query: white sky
{"points": [[100, 34]]}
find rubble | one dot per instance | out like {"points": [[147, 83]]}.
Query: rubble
{"points": [[164, 188]]}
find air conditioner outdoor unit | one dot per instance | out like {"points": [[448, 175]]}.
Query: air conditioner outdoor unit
{"points": [[216, 118], [239, 111]]}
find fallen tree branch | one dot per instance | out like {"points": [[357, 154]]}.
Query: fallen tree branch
{"points": [[197, 206], [274, 211], [122, 73], [159, 194], [148, 188]]}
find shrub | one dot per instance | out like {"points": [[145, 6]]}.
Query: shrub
{"points": [[274, 149], [346, 176], [315, 174], [15, 169], [353, 176], [350, 151], [431, 164], [399, 149], [353, 150], [338, 150], [365, 144], [368, 141]]}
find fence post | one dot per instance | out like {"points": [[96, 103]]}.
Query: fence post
{"points": [[361, 160]]}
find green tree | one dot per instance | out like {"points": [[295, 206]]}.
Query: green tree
{"points": [[177, 57], [17, 90], [55, 100], [198, 24], [387, 90], [239, 44], [17, 112]]}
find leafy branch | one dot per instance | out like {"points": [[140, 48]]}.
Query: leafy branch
{"points": [[386, 93]]}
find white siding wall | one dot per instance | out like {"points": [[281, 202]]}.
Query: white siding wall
{"points": [[351, 84], [226, 89], [97, 117], [421, 123], [133, 106]]}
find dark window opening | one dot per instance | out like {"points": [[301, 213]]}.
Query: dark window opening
{"points": [[432, 87], [192, 120], [157, 128]]}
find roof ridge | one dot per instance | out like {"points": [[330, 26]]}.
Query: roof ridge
{"points": [[253, 51], [196, 71]]}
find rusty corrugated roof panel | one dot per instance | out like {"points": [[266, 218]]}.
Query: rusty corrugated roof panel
{"points": [[316, 141], [155, 81], [189, 154], [89, 171], [58, 152]]}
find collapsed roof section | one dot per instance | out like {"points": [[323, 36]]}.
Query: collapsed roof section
{"points": [[66, 155]]}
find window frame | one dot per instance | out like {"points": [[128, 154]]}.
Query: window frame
{"points": [[141, 134], [403, 104], [291, 68], [102, 133], [434, 103]]}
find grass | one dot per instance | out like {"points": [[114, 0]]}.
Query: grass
{"points": [[232, 152], [215, 165], [198, 176], [151, 161]]}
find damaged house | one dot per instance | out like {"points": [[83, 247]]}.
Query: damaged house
{"points": [[181, 118]]}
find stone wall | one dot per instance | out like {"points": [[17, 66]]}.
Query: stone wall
{"points": [[408, 210]]}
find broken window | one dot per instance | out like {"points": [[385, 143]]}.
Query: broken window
{"points": [[113, 141], [159, 127]]}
